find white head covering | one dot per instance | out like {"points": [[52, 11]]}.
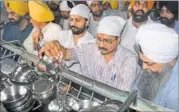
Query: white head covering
{"points": [[89, 2], [81, 10], [111, 25], [158, 42], [64, 6]]}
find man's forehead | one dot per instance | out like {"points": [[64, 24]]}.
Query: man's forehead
{"points": [[9, 10], [142, 1], [101, 35], [145, 58], [95, 2], [164, 7]]}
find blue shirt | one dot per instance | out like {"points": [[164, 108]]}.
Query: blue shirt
{"points": [[13, 32], [168, 95]]}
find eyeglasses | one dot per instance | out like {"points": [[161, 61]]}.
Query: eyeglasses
{"points": [[105, 41]]}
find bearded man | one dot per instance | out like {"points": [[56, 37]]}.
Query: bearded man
{"points": [[157, 47], [140, 16], [169, 14], [18, 27]]}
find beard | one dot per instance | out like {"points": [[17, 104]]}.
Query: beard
{"points": [[65, 17], [98, 14], [140, 16], [150, 82], [78, 31], [167, 22], [15, 21]]}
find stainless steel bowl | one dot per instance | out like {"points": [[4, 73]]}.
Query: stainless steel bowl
{"points": [[20, 102], [13, 94], [62, 104], [44, 90], [70, 101], [8, 66], [84, 104], [55, 106], [23, 74]]}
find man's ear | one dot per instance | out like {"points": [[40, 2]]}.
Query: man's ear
{"points": [[118, 40], [87, 22]]}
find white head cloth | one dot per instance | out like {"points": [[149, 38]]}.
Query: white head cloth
{"points": [[89, 2], [111, 25], [81, 10], [158, 42], [64, 6]]}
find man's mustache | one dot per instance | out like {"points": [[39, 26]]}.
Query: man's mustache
{"points": [[102, 48], [139, 11], [74, 27], [11, 19]]}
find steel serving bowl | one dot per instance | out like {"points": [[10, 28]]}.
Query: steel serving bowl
{"points": [[13, 94], [20, 102], [84, 104], [55, 106], [8, 66], [62, 104], [23, 74], [44, 90]]}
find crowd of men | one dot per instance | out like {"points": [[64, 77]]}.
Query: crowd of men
{"points": [[118, 43]]}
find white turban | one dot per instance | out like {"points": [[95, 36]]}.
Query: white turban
{"points": [[81, 10], [111, 25], [64, 6], [158, 42], [89, 2]]}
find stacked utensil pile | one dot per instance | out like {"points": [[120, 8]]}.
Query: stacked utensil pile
{"points": [[17, 99]]}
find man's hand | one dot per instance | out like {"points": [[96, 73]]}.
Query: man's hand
{"points": [[54, 50], [36, 37]]}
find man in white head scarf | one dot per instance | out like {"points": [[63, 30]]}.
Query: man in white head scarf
{"points": [[65, 8], [157, 46], [104, 61], [97, 13], [78, 34]]}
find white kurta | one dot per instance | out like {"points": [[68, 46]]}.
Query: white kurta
{"points": [[66, 39], [94, 24], [50, 32], [129, 33]]}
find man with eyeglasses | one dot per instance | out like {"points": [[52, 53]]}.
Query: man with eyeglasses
{"points": [[157, 47], [169, 14], [140, 15], [106, 61]]}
